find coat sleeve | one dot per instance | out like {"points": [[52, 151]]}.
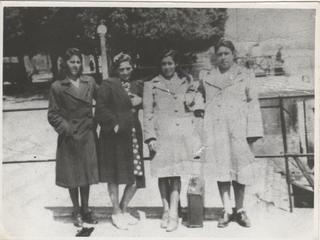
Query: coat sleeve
{"points": [[254, 117], [60, 125], [139, 92], [148, 113], [104, 114]]}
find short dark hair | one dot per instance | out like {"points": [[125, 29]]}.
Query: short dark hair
{"points": [[67, 55], [72, 52], [225, 43], [170, 53]]}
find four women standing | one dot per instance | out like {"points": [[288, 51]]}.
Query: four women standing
{"points": [[232, 121]]}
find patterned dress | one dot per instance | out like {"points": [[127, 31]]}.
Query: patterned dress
{"points": [[137, 158]]}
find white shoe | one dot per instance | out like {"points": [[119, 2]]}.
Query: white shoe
{"points": [[119, 221], [130, 219]]}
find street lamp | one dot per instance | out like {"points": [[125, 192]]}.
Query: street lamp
{"points": [[102, 30]]}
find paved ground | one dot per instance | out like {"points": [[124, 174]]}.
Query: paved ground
{"points": [[34, 207]]}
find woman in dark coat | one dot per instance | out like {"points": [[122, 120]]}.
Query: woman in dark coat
{"points": [[120, 141], [70, 113]]}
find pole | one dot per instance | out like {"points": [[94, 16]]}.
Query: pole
{"points": [[102, 30], [285, 148]]}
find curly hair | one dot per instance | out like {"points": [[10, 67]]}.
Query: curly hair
{"points": [[120, 58]]}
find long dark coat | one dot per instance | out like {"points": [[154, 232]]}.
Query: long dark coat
{"points": [[70, 113], [115, 149]]}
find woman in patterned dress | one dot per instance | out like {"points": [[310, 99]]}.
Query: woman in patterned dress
{"points": [[120, 141]]}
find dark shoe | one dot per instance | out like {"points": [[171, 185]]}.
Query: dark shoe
{"points": [[77, 219], [88, 218], [243, 219], [224, 220], [84, 232]]}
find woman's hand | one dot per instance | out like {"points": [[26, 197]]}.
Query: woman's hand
{"points": [[116, 128], [152, 146], [189, 99], [135, 99]]}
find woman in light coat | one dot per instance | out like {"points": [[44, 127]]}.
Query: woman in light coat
{"points": [[232, 121], [170, 133]]}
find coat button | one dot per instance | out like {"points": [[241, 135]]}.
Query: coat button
{"points": [[176, 110], [178, 124]]}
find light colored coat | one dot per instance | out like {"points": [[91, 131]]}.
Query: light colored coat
{"points": [[169, 120], [232, 115]]}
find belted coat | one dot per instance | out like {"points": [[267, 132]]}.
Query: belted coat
{"points": [[70, 114]]}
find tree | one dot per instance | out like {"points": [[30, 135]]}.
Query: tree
{"points": [[136, 30]]}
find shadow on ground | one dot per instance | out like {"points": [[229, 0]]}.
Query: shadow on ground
{"points": [[103, 214]]}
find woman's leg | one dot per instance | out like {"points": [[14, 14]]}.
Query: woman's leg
{"points": [[175, 183], [128, 194], [74, 195], [117, 218], [85, 212], [84, 194], [174, 196], [239, 193], [224, 190], [113, 190], [164, 188]]}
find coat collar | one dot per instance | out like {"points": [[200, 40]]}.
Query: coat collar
{"points": [[170, 86], [83, 93], [221, 81]]}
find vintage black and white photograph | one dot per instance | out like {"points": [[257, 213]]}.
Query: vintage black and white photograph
{"points": [[159, 120]]}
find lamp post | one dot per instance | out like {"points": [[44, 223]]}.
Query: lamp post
{"points": [[102, 30]]}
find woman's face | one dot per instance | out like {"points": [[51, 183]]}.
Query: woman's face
{"points": [[225, 58], [168, 67], [74, 65], [125, 71]]}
